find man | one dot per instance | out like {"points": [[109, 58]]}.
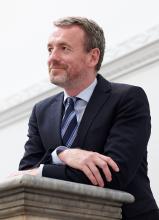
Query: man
{"points": [[95, 132]]}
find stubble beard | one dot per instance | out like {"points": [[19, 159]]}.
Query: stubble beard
{"points": [[65, 80], [60, 79]]}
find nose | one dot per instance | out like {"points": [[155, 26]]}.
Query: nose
{"points": [[53, 56]]}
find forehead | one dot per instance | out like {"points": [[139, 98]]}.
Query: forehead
{"points": [[70, 34]]}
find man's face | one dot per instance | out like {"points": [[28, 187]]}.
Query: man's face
{"points": [[68, 61]]}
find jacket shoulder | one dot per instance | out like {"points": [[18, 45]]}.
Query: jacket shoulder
{"points": [[118, 88], [123, 87], [48, 101]]}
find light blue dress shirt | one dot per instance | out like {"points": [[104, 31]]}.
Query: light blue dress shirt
{"points": [[80, 107]]}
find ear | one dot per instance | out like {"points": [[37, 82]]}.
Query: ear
{"points": [[94, 57]]}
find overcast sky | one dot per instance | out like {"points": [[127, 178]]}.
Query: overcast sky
{"points": [[26, 24]]}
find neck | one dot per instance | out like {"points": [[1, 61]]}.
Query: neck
{"points": [[76, 89]]}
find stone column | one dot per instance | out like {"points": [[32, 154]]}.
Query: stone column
{"points": [[33, 198]]}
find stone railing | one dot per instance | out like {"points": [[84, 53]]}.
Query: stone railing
{"points": [[33, 198]]}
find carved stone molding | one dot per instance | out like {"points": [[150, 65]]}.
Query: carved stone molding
{"points": [[132, 61], [133, 44], [29, 197], [127, 57]]}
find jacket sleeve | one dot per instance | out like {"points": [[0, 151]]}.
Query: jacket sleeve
{"points": [[34, 149], [128, 137]]}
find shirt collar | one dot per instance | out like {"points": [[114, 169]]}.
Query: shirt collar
{"points": [[86, 93]]}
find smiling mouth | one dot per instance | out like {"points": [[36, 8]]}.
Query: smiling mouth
{"points": [[57, 65], [55, 68]]}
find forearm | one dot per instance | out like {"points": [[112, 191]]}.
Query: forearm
{"points": [[64, 172]]}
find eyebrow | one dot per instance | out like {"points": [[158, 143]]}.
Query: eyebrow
{"points": [[49, 45], [59, 44]]}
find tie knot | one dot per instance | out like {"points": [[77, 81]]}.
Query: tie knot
{"points": [[71, 101]]}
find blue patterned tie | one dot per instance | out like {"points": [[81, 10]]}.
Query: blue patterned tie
{"points": [[69, 125]]}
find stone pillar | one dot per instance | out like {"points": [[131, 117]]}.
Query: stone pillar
{"points": [[32, 198]]}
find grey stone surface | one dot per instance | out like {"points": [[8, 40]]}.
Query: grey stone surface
{"points": [[30, 198]]}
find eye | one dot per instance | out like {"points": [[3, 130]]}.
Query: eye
{"points": [[50, 49], [65, 48]]}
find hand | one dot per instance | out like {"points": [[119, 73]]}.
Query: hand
{"points": [[88, 162], [32, 172]]}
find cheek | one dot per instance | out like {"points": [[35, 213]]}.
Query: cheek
{"points": [[49, 61], [77, 64], [74, 69]]}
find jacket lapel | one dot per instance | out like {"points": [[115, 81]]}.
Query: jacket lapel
{"points": [[97, 100], [55, 114]]}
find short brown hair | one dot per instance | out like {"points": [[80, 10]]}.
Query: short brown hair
{"points": [[94, 34]]}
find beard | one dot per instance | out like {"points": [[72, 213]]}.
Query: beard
{"points": [[61, 75], [58, 73], [58, 77]]}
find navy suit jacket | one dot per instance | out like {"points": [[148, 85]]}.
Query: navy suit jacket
{"points": [[116, 123]]}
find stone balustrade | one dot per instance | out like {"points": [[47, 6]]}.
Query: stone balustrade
{"points": [[33, 198]]}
